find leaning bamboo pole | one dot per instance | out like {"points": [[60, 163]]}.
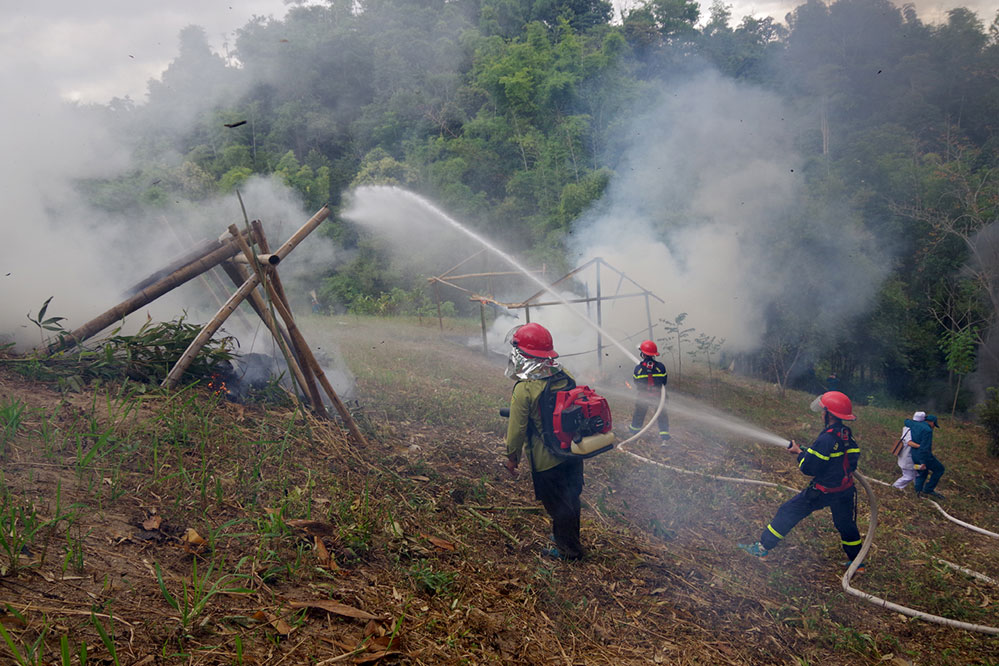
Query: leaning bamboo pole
{"points": [[309, 384], [173, 378], [280, 301], [147, 295]]}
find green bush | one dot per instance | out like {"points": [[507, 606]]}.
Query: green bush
{"points": [[988, 416]]}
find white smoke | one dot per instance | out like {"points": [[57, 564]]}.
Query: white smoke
{"points": [[707, 213]]}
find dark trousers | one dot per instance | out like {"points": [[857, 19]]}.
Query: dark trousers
{"points": [[924, 482], [809, 500], [559, 489], [641, 409]]}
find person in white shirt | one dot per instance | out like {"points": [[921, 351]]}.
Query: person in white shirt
{"points": [[905, 456]]}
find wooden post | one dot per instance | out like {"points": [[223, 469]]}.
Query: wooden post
{"points": [[437, 297], [600, 339], [147, 295], [482, 316], [648, 314], [527, 313], [173, 378]]}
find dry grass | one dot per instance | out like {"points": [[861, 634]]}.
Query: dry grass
{"points": [[419, 550]]}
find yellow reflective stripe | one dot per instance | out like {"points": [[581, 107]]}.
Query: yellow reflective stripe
{"points": [[852, 543], [659, 374], [857, 450], [775, 532], [817, 454], [836, 455], [801, 462]]}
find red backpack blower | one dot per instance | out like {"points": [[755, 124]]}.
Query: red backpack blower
{"points": [[576, 420]]}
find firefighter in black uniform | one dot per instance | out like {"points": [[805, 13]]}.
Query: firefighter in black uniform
{"points": [[650, 378], [830, 461]]}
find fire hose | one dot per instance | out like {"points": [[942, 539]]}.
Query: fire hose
{"points": [[865, 547]]}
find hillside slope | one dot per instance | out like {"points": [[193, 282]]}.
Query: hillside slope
{"points": [[419, 549]]}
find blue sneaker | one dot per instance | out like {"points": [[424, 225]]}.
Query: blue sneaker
{"points": [[754, 549], [860, 569], [553, 553]]}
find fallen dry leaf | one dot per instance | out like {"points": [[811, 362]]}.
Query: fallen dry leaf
{"points": [[313, 527], [279, 625], [440, 543], [337, 609], [192, 537], [152, 523]]}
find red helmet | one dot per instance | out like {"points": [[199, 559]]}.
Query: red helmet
{"points": [[649, 348], [837, 404], [534, 340]]}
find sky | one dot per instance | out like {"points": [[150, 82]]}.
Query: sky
{"points": [[99, 49]]}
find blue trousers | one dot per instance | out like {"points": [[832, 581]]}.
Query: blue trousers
{"points": [[924, 482], [809, 500], [642, 405]]}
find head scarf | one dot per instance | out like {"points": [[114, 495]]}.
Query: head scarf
{"points": [[919, 416]]}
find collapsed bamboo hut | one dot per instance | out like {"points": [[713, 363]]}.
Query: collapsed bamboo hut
{"points": [[246, 258]]}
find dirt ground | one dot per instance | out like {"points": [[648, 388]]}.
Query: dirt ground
{"points": [[186, 529]]}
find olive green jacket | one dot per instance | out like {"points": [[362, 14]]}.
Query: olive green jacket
{"points": [[524, 409]]}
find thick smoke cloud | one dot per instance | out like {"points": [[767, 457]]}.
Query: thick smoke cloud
{"points": [[707, 211], [58, 246]]}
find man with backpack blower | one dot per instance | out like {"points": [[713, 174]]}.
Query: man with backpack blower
{"points": [[557, 476]]}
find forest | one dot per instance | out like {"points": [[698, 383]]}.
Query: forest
{"points": [[517, 116]]}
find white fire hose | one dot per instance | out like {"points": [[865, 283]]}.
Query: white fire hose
{"points": [[865, 547]]}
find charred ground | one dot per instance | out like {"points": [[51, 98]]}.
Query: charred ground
{"points": [[301, 548]]}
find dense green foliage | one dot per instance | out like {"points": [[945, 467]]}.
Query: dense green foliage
{"points": [[510, 114]]}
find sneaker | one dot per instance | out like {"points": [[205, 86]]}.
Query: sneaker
{"points": [[754, 549], [934, 494], [860, 569], [664, 436], [552, 553]]}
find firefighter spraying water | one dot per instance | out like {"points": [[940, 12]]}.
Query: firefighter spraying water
{"points": [[650, 378], [831, 461]]}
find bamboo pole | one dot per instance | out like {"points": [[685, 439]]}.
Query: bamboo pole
{"points": [[213, 325], [296, 341], [209, 279], [482, 315], [281, 303], [198, 251], [239, 275], [146, 296]]}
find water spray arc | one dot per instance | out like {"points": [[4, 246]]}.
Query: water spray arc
{"points": [[716, 419]]}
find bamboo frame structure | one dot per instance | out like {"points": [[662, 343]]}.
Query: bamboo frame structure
{"points": [[237, 258], [449, 279], [173, 378], [597, 263]]}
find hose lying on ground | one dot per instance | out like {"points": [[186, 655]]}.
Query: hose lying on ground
{"points": [[884, 603], [973, 528]]}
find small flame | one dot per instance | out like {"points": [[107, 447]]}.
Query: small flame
{"points": [[627, 383], [218, 386]]}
